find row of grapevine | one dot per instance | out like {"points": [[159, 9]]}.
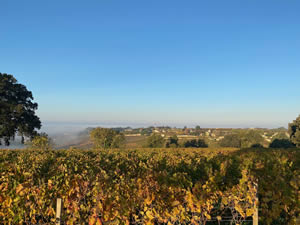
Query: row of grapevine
{"points": [[149, 186]]}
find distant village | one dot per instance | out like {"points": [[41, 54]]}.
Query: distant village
{"points": [[136, 137], [211, 134]]}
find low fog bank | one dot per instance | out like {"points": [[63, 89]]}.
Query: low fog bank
{"points": [[14, 144], [65, 135]]}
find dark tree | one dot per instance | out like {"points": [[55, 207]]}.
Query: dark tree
{"points": [[281, 143], [197, 127], [197, 130], [17, 111], [190, 143], [201, 143], [231, 140], [257, 145], [172, 142], [194, 143], [294, 131]]}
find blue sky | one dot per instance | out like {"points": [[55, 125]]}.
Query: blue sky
{"points": [[212, 63]]}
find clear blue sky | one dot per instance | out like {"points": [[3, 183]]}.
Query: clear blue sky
{"points": [[164, 62]]}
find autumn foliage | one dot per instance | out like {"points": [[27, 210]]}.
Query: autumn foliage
{"points": [[149, 186]]}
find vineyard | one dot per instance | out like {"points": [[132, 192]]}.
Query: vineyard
{"points": [[150, 186]]}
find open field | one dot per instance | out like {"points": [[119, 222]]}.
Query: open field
{"points": [[130, 143], [135, 142], [149, 186]]}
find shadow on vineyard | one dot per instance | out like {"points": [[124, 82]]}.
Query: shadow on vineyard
{"points": [[150, 186]]}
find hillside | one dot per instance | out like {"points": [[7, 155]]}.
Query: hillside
{"points": [[135, 137]]}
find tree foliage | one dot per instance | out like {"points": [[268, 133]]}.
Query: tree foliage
{"points": [[106, 138], [294, 131], [281, 143], [155, 141], [232, 140], [118, 141], [251, 137], [194, 143], [197, 127], [257, 146], [41, 142], [172, 142], [197, 130], [243, 139], [17, 111]]}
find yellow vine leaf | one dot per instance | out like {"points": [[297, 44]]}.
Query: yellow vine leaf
{"points": [[148, 200], [149, 214], [249, 212], [98, 222], [92, 221]]}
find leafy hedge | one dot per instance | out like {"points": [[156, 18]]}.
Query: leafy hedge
{"points": [[149, 186]]}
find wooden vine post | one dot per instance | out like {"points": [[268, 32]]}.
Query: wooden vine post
{"points": [[58, 211], [255, 215]]}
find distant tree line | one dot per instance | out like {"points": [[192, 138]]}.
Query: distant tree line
{"points": [[254, 139], [157, 141], [114, 138]]}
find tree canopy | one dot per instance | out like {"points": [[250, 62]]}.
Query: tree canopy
{"points": [[17, 110], [281, 143], [41, 142], [251, 137], [294, 131], [232, 140], [194, 143], [172, 142], [106, 138], [155, 141]]}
